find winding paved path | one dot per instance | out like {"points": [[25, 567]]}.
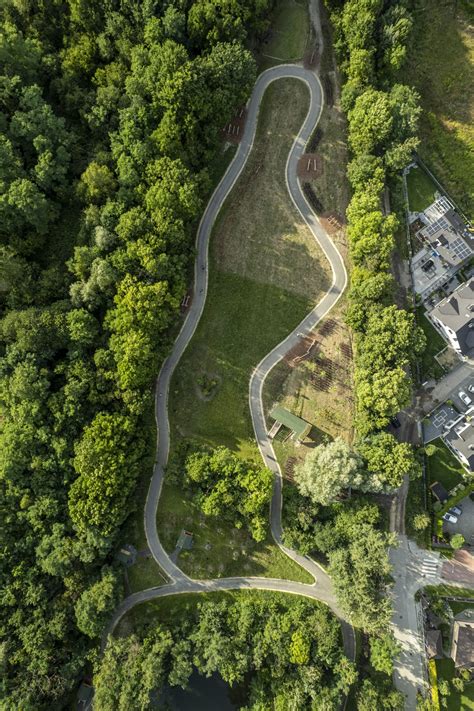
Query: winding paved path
{"points": [[179, 582]]}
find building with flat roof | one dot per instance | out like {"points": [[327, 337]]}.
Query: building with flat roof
{"points": [[434, 645], [462, 640], [454, 316], [446, 243], [439, 492], [299, 427]]}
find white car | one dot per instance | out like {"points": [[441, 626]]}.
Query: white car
{"points": [[450, 518], [464, 397], [471, 388]]}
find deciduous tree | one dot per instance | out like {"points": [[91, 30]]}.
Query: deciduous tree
{"points": [[328, 471]]}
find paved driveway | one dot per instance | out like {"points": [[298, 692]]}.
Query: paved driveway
{"points": [[413, 568], [445, 389], [465, 524]]}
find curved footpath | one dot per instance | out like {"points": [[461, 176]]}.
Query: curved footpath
{"points": [[179, 582]]}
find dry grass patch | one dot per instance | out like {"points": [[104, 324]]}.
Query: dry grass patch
{"points": [[317, 386], [316, 380], [260, 235], [331, 185]]}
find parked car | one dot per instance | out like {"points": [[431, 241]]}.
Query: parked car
{"points": [[471, 388], [450, 518], [456, 510], [395, 422], [464, 397]]}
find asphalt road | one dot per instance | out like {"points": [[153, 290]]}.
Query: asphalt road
{"points": [[180, 583], [413, 569], [188, 586]]}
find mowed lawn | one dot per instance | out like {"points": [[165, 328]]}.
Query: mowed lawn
{"points": [[434, 344], [289, 31], [444, 467], [266, 273], [421, 190], [289, 34], [441, 67], [456, 701]]}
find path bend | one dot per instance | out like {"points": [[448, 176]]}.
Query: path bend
{"points": [[179, 582]]}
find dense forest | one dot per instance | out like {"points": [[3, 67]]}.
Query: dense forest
{"points": [[109, 126], [275, 647], [109, 122]]}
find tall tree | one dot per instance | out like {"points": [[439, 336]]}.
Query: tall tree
{"points": [[329, 470]]}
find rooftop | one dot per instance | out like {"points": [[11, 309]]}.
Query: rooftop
{"points": [[462, 646], [461, 439], [456, 312], [300, 427], [434, 645], [446, 243]]}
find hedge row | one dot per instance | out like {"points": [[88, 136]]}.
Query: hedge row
{"points": [[383, 120]]}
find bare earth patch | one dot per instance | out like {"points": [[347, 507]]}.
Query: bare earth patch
{"points": [[315, 382]]}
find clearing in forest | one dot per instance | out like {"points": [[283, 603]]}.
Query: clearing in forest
{"points": [[316, 380], [266, 273]]}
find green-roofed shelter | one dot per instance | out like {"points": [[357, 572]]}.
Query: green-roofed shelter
{"points": [[299, 427]]}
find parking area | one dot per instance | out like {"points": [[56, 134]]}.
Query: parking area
{"points": [[465, 523], [463, 404], [441, 418]]}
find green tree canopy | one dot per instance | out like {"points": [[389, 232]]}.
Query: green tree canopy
{"points": [[97, 603], [107, 462], [228, 487], [360, 574], [329, 470], [388, 460]]}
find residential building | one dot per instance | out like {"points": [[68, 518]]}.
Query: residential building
{"points": [[462, 640], [460, 439], [454, 317], [439, 492], [446, 243]]}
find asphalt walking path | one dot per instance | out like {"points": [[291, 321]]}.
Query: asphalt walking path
{"points": [[180, 583]]}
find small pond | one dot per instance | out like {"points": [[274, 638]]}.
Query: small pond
{"points": [[202, 694]]}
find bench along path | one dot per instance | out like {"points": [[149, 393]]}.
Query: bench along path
{"points": [[180, 583]]}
